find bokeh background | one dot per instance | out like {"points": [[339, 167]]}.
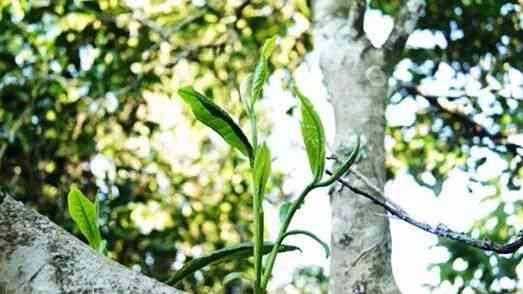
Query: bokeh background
{"points": [[88, 97]]}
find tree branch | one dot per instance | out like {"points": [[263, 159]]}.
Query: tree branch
{"points": [[440, 230], [37, 256], [357, 17], [349, 13], [469, 125], [404, 24]]}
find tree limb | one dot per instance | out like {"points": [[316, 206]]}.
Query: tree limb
{"points": [[357, 17], [469, 125], [440, 230], [404, 24], [350, 14], [37, 256]]}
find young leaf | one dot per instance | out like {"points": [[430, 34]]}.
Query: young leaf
{"points": [[217, 119], [261, 71], [243, 250], [344, 167], [313, 135], [268, 47], [311, 235], [284, 211], [83, 213], [245, 93], [262, 169]]}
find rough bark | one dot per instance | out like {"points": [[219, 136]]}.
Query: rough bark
{"points": [[356, 75], [37, 256]]}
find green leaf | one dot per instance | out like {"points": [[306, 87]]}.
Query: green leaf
{"points": [[313, 135], [311, 235], [284, 211], [261, 71], [344, 167], [262, 169], [268, 47], [240, 251], [217, 119], [83, 213]]}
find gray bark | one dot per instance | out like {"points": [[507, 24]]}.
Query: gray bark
{"points": [[37, 256], [356, 75]]}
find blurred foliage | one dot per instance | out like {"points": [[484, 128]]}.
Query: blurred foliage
{"points": [[466, 88], [87, 97], [310, 280]]}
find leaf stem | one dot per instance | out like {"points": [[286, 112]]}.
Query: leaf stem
{"points": [[258, 212], [281, 234], [254, 129], [258, 244]]}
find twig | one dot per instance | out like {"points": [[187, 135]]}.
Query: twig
{"points": [[440, 230], [365, 180], [404, 24], [356, 17], [468, 124]]}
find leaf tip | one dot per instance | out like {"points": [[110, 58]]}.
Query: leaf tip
{"points": [[268, 46]]}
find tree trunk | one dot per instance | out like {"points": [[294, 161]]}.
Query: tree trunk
{"points": [[356, 75], [37, 256]]}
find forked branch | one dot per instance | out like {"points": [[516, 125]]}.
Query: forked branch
{"points": [[404, 24]]}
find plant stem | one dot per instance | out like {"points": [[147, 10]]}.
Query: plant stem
{"points": [[254, 130], [258, 245], [281, 234], [258, 214]]}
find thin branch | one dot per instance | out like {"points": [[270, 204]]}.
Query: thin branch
{"points": [[164, 32], [469, 125], [194, 49], [348, 15], [440, 230], [404, 24]]}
